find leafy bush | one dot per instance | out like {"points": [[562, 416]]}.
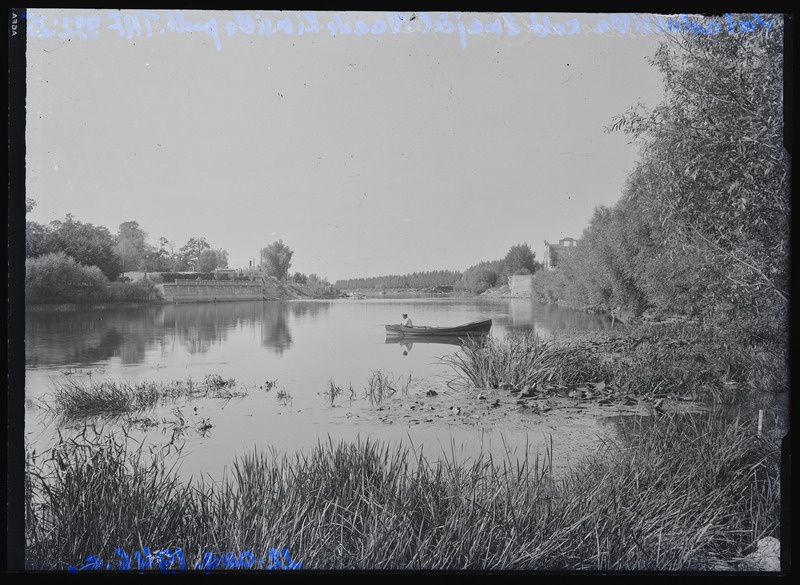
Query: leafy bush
{"points": [[58, 276], [481, 277], [131, 292]]}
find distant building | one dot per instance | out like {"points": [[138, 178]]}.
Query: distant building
{"points": [[554, 252]]}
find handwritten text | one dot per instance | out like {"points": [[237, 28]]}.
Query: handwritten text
{"points": [[169, 561], [143, 23]]}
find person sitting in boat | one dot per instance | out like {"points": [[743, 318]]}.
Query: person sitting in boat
{"points": [[407, 321]]}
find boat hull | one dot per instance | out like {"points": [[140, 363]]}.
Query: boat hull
{"points": [[474, 328], [440, 339]]}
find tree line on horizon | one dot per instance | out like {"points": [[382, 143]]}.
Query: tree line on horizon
{"points": [[702, 226], [478, 278]]}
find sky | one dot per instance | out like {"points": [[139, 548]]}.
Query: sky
{"points": [[409, 142]]}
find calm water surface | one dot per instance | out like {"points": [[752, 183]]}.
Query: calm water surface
{"points": [[303, 345]]}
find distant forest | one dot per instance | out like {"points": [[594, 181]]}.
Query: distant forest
{"points": [[520, 259], [415, 280]]}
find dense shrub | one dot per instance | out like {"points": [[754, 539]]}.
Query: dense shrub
{"points": [[88, 244], [132, 292], [58, 276], [481, 277]]}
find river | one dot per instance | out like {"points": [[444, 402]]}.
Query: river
{"points": [[301, 346]]}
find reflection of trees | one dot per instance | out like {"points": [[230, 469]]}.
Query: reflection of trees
{"points": [[275, 327], [197, 326], [524, 314], [557, 318], [82, 336], [200, 325], [90, 335], [308, 308]]}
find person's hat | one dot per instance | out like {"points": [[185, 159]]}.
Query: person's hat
{"points": [[405, 314]]}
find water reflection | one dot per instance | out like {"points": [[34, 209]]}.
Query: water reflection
{"points": [[305, 345], [308, 308], [90, 335], [408, 343], [58, 337], [523, 314], [275, 333]]}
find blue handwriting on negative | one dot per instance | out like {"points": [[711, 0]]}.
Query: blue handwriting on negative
{"points": [[168, 561], [143, 23]]}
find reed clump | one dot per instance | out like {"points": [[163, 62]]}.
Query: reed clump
{"points": [[523, 359], [333, 391], [382, 385], [678, 493], [75, 398], [678, 359]]}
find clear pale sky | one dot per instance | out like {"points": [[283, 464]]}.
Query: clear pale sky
{"points": [[367, 154]]}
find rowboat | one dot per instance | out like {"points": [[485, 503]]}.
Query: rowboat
{"points": [[473, 328]]}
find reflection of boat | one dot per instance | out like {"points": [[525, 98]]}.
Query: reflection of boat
{"points": [[446, 339], [474, 328]]}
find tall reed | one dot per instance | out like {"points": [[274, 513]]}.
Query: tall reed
{"points": [[75, 398], [522, 359], [680, 493], [382, 385]]}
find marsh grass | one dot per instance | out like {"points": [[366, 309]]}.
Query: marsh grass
{"points": [[382, 385], [522, 359], [679, 359], [333, 391], [677, 493], [74, 398]]}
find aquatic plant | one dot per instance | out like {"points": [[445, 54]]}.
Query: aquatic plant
{"points": [[333, 391], [268, 385], [382, 385], [283, 396], [520, 360], [73, 398], [217, 382]]}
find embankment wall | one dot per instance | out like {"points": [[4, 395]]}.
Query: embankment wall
{"points": [[521, 285], [190, 291]]}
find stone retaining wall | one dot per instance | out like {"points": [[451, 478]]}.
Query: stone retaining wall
{"points": [[189, 291], [521, 285]]}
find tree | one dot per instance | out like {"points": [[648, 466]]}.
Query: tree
{"points": [[87, 244], [277, 258], [131, 246], [161, 259], [713, 166], [34, 239], [222, 258], [520, 260], [480, 277], [33, 232], [212, 259], [189, 254], [207, 261]]}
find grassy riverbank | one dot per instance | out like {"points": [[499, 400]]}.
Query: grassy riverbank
{"points": [[691, 492], [656, 360]]}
